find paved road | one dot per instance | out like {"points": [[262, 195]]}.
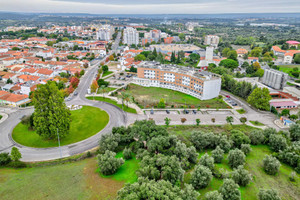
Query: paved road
{"points": [[116, 115]]}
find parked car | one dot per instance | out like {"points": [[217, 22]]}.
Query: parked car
{"points": [[167, 111], [186, 112], [151, 112], [194, 111], [227, 96], [75, 93]]}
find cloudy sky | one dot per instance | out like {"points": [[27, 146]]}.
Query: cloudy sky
{"points": [[151, 6]]}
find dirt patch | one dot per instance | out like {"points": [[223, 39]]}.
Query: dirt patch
{"points": [[100, 188]]}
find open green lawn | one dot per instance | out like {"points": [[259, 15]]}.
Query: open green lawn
{"points": [[256, 123], [150, 96], [85, 122], [77, 180], [130, 110], [288, 68], [127, 172], [279, 182], [106, 73], [108, 89]]}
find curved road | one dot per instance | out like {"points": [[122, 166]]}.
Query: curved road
{"points": [[116, 115]]}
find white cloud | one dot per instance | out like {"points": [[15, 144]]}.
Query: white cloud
{"points": [[151, 7]]}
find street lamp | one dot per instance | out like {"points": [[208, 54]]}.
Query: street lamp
{"points": [[59, 144]]}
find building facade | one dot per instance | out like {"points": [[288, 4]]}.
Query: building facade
{"points": [[130, 36], [105, 33], [202, 85], [275, 79]]}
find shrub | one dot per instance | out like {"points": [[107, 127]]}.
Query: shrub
{"points": [[15, 154], [4, 159], [236, 158], [295, 132], [257, 137], [277, 142], [108, 163], [109, 142], [207, 161], [230, 190], [246, 148], [127, 153], [17, 164], [268, 195], [201, 177], [241, 176], [224, 143], [271, 165], [218, 154], [268, 132], [292, 176], [88, 154], [213, 195], [239, 138]]}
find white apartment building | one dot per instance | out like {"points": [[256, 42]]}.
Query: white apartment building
{"points": [[212, 40], [130, 36], [105, 33], [202, 85]]}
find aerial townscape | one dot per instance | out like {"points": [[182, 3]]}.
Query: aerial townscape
{"points": [[149, 100]]}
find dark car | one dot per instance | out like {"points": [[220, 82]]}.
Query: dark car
{"points": [[186, 112], [167, 111], [151, 112], [75, 93], [194, 111]]}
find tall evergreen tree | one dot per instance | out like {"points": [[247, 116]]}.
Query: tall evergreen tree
{"points": [[51, 113]]}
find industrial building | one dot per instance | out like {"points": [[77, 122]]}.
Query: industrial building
{"points": [[202, 85], [275, 79]]}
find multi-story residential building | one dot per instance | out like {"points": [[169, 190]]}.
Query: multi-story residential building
{"points": [[105, 32], [130, 36], [275, 79], [202, 85], [155, 35], [212, 40]]}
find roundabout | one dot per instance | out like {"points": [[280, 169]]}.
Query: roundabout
{"points": [[85, 122]]}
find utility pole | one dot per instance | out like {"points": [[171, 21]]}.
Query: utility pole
{"points": [[59, 144]]}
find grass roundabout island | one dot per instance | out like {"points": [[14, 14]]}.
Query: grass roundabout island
{"points": [[85, 123]]}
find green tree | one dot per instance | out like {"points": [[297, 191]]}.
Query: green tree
{"points": [[104, 68], [15, 154], [225, 52], [229, 119], [51, 115], [271, 165], [246, 148], [194, 57], [181, 36], [108, 163], [229, 63], [4, 159], [232, 55], [213, 195], [257, 137], [270, 194], [243, 120], [201, 177], [295, 132], [109, 142], [173, 57], [218, 154], [277, 142], [139, 57], [236, 158], [161, 103], [198, 121], [297, 58], [167, 121], [230, 190], [151, 189], [285, 112], [241, 176], [207, 161], [127, 153], [260, 98], [239, 138]]}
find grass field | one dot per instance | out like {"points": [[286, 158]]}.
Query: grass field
{"points": [[256, 123], [127, 171], [150, 96], [279, 182], [106, 74], [108, 89], [130, 110], [288, 68], [85, 122]]}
